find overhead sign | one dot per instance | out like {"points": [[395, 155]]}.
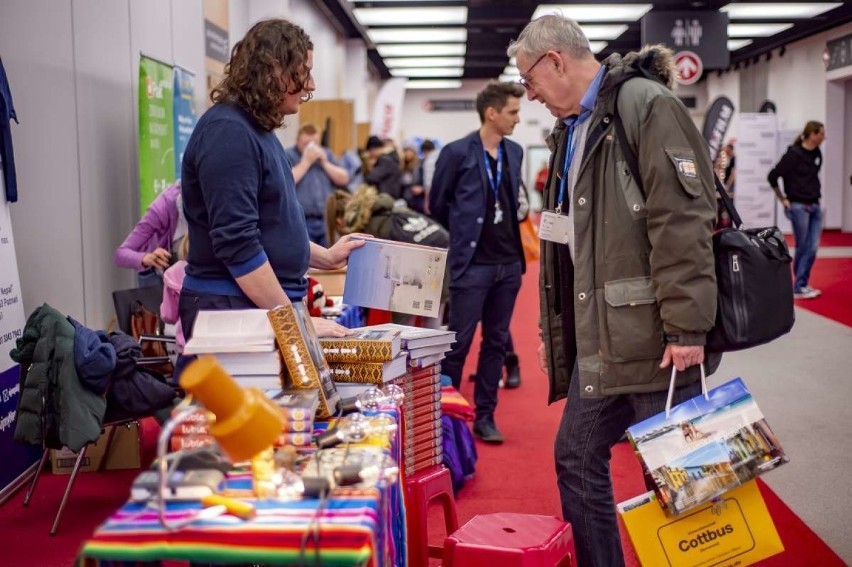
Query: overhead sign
{"points": [[689, 67], [838, 53], [703, 32]]}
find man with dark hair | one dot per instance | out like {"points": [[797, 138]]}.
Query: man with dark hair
{"points": [[316, 172], [627, 285], [474, 193]]}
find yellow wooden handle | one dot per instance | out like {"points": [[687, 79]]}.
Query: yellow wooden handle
{"points": [[237, 508]]}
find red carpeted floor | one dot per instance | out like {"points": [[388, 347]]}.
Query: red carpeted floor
{"points": [[515, 477], [519, 475]]}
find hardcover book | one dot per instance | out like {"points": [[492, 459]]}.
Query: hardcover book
{"points": [[305, 365], [706, 447], [396, 276], [377, 373], [367, 345], [423, 352], [234, 330], [297, 405], [419, 337], [427, 360]]}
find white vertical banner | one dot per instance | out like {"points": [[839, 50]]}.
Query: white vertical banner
{"points": [[757, 148], [16, 458], [387, 112]]}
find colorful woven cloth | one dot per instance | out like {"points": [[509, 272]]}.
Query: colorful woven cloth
{"points": [[454, 405], [355, 527]]}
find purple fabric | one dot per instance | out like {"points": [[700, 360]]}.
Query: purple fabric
{"points": [[155, 230]]}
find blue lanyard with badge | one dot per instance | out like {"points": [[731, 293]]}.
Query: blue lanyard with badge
{"points": [[495, 185], [555, 226]]}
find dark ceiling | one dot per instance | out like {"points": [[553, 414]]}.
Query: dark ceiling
{"points": [[491, 24]]}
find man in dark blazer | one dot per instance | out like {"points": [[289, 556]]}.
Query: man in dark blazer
{"points": [[474, 194]]}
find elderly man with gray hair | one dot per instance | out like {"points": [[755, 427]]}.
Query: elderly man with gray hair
{"points": [[627, 280]]}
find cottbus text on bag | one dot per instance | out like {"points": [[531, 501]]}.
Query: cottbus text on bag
{"points": [[755, 285]]}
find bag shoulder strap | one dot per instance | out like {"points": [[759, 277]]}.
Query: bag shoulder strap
{"points": [[633, 165]]}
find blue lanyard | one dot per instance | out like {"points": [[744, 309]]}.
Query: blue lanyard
{"points": [[569, 157], [495, 185]]}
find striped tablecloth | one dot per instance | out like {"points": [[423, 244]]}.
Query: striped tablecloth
{"points": [[354, 527]]}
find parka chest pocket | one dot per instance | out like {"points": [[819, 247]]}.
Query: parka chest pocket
{"points": [[635, 330], [632, 194], [686, 167]]}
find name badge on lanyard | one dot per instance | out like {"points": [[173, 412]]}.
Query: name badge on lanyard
{"points": [[555, 226], [495, 184]]}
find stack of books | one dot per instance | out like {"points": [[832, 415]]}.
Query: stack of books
{"points": [[370, 357], [422, 430], [298, 406], [243, 342]]}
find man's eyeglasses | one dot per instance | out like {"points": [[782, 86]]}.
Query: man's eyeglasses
{"points": [[524, 80]]}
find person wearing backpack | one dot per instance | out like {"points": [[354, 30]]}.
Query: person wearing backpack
{"points": [[799, 168], [628, 283]]}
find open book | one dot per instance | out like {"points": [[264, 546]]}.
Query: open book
{"points": [[238, 330]]}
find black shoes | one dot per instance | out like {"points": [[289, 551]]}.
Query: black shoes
{"points": [[513, 371], [485, 430]]}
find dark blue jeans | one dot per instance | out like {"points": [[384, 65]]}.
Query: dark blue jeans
{"points": [[807, 226], [484, 293], [587, 432]]}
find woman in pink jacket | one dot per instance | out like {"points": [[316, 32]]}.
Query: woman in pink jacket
{"points": [[148, 248]]}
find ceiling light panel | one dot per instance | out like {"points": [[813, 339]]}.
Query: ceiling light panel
{"points": [[421, 49], [595, 12], [597, 46], [792, 10], [418, 35], [407, 16], [427, 72], [606, 32], [391, 62], [756, 30], [434, 84], [504, 78], [734, 44]]}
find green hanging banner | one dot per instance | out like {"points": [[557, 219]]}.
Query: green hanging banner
{"points": [[156, 130]]}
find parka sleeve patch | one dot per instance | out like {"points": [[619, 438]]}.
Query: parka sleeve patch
{"points": [[686, 167]]}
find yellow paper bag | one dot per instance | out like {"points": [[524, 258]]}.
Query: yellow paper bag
{"points": [[738, 531]]}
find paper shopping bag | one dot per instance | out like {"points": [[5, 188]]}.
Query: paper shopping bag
{"points": [[736, 531], [705, 446]]}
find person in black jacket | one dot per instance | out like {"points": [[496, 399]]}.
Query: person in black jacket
{"points": [[799, 168], [384, 172]]}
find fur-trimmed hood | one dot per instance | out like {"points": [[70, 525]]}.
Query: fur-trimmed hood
{"points": [[654, 62]]}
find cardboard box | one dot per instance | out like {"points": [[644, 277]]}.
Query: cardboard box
{"points": [[396, 276], [332, 281], [123, 454]]}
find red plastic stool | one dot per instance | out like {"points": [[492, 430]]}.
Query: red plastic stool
{"points": [[420, 489], [511, 540]]}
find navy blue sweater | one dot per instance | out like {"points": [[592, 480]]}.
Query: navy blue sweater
{"points": [[239, 198]]}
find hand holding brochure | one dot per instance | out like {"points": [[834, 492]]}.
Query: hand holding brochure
{"points": [[396, 276]]}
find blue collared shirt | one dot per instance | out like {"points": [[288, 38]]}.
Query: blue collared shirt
{"points": [[587, 103]]}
